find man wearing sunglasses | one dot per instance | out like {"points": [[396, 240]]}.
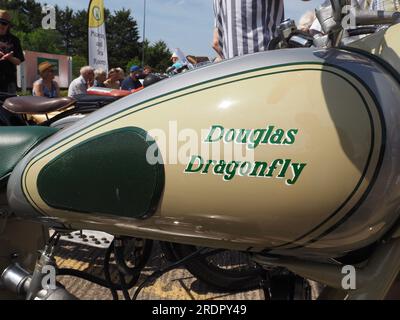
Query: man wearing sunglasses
{"points": [[11, 55]]}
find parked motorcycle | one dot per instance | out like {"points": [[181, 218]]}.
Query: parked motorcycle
{"points": [[28, 110], [238, 273], [56, 112], [317, 196]]}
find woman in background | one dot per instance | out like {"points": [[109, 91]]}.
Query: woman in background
{"points": [[100, 76], [113, 80], [121, 73], [46, 86]]}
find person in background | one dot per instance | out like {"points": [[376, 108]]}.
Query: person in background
{"points": [[146, 71], [177, 65], [132, 82], [306, 21], [246, 26], [46, 86], [232, 37], [113, 79], [174, 58], [99, 77], [82, 83], [11, 55], [121, 74]]}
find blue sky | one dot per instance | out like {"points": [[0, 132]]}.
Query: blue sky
{"points": [[186, 24]]}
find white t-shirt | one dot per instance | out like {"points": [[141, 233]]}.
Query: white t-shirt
{"points": [[77, 87]]}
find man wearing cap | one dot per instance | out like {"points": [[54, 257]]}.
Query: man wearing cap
{"points": [[11, 55], [132, 82]]}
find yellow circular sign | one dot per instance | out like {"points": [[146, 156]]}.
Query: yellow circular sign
{"points": [[96, 16], [97, 13]]}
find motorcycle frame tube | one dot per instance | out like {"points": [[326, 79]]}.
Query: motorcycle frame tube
{"points": [[373, 280], [19, 241], [373, 216]]}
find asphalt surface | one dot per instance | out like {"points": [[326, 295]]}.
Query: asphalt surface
{"points": [[177, 284], [85, 252]]}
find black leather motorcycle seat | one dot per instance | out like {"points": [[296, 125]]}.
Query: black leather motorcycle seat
{"points": [[16, 142], [37, 105]]}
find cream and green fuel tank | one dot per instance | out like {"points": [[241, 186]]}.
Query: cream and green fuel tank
{"points": [[294, 151]]}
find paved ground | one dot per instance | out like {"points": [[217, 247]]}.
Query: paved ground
{"points": [[86, 253], [178, 284]]}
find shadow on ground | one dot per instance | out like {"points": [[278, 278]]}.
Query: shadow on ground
{"points": [[177, 284]]}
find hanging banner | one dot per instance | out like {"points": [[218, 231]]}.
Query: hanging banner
{"points": [[97, 39]]}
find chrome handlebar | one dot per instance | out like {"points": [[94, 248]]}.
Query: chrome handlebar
{"points": [[366, 17], [331, 15]]}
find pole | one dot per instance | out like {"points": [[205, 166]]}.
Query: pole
{"points": [[144, 31]]}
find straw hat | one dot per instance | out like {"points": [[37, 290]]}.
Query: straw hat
{"points": [[44, 66], [5, 16]]}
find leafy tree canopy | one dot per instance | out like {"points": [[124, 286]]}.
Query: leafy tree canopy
{"points": [[71, 35]]}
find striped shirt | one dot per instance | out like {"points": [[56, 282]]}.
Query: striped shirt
{"points": [[246, 26]]}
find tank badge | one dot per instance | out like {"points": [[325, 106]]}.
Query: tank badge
{"points": [[285, 169]]}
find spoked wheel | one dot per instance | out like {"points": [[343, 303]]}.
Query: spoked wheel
{"points": [[131, 256], [225, 270]]}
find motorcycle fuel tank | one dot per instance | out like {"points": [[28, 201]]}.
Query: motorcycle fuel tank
{"points": [[285, 150]]}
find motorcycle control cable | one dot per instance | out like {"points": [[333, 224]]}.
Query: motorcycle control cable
{"points": [[140, 259], [92, 278], [106, 268], [106, 283], [125, 292], [123, 269], [55, 237], [156, 274]]}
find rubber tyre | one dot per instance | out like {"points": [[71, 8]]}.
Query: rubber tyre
{"points": [[214, 276]]}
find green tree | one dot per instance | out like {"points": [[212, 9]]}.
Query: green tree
{"points": [[27, 25], [41, 40], [158, 55], [71, 35], [77, 63], [122, 38], [26, 15], [65, 28], [135, 61], [79, 34]]}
